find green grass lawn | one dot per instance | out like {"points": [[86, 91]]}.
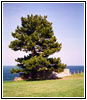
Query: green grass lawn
{"points": [[72, 86]]}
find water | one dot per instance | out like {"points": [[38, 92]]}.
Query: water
{"points": [[7, 76], [76, 69]]}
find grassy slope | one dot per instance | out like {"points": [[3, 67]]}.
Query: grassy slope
{"points": [[72, 86]]}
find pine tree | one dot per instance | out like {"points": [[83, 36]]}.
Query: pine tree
{"points": [[36, 36]]}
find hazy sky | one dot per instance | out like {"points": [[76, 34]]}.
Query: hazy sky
{"points": [[68, 26]]}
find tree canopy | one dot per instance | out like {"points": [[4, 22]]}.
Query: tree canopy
{"points": [[36, 37]]}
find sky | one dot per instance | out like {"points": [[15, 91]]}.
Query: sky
{"points": [[68, 27]]}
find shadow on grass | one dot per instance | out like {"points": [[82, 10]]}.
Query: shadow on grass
{"points": [[41, 79]]}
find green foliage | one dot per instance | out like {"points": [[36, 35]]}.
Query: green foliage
{"points": [[13, 70], [35, 35]]}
